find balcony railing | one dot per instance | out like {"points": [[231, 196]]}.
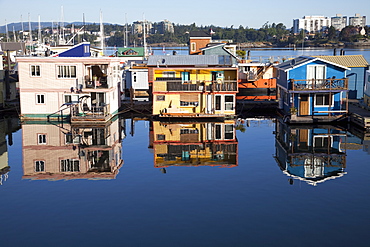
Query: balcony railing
{"points": [[319, 84], [201, 86], [86, 113]]}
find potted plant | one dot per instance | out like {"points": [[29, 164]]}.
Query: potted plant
{"points": [[293, 112]]}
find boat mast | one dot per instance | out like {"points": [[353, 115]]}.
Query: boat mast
{"points": [[6, 30], [22, 29], [39, 36], [101, 32], [144, 34]]}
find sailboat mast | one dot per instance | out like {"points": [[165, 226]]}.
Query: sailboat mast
{"points": [[6, 30], [39, 36], [144, 38], [22, 29], [101, 32]]}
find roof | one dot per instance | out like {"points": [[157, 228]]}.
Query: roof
{"points": [[303, 60], [186, 60], [130, 52], [12, 46], [199, 34], [347, 60]]}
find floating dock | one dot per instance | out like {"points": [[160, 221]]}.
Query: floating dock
{"points": [[359, 114]]}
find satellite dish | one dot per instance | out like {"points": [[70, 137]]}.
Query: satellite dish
{"points": [[292, 62]]}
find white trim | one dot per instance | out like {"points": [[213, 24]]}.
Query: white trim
{"points": [[317, 59], [332, 100]]}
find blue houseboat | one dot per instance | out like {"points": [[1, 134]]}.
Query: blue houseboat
{"points": [[311, 90], [313, 154]]}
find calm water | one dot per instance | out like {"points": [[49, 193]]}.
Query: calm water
{"points": [[255, 182]]}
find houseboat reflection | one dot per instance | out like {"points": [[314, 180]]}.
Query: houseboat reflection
{"points": [[195, 144], [64, 151], [309, 154]]}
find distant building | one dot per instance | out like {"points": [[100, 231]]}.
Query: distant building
{"points": [[357, 20], [165, 27], [138, 27], [311, 24], [339, 22]]}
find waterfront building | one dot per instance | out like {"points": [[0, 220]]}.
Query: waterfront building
{"points": [[312, 89], [356, 77], [197, 41], [195, 144], [339, 22], [257, 81], [310, 154], [136, 81], [367, 89], [78, 151], [193, 86], [311, 24], [357, 20], [78, 88]]}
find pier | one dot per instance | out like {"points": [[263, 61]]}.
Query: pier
{"points": [[359, 114]]}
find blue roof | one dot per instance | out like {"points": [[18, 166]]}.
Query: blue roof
{"points": [[79, 50]]}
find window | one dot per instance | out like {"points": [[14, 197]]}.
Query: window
{"points": [[229, 103], [69, 165], [218, 132], [229, 131], [39, 166], [161, 137], [189, 131], [35, 70], [160, 97], [170, 74], [322, 100], [315, 72], [218, 102], [41, 138], [66, 71], [190, 104], [322, 141], [69, 98], [40, 99], [193, 46]]}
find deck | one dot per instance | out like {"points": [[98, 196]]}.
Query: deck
{"points": [[359, 114]]}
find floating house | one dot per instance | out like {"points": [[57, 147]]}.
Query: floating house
{"points": [[356, 78], [257, 81], [312, 90], [195, 144], [313, 154], [193, 86], [136, 81], [78, 151], [72, 85], [367, 88]]}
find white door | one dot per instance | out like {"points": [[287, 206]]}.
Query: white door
{"points": [[209, 104]]}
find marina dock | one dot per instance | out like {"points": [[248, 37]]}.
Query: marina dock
{"points": [[359, 114]]}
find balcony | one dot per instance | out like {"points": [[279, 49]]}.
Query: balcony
{"points": [[200, 86], [95, 114], [318, 84]]}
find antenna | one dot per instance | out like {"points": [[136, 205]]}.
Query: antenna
{"points": [[125, 33]]}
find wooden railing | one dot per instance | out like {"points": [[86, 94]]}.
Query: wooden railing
{"points": [[205, 86], [319, 84]]}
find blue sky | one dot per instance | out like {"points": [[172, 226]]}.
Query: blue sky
{"points": [[203, 12]]}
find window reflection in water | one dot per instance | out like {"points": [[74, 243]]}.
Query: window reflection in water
{"points": [[195, 144], [71, 151]]}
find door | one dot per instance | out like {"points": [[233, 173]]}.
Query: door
{"points": [[209, 104], [304, 105]]}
